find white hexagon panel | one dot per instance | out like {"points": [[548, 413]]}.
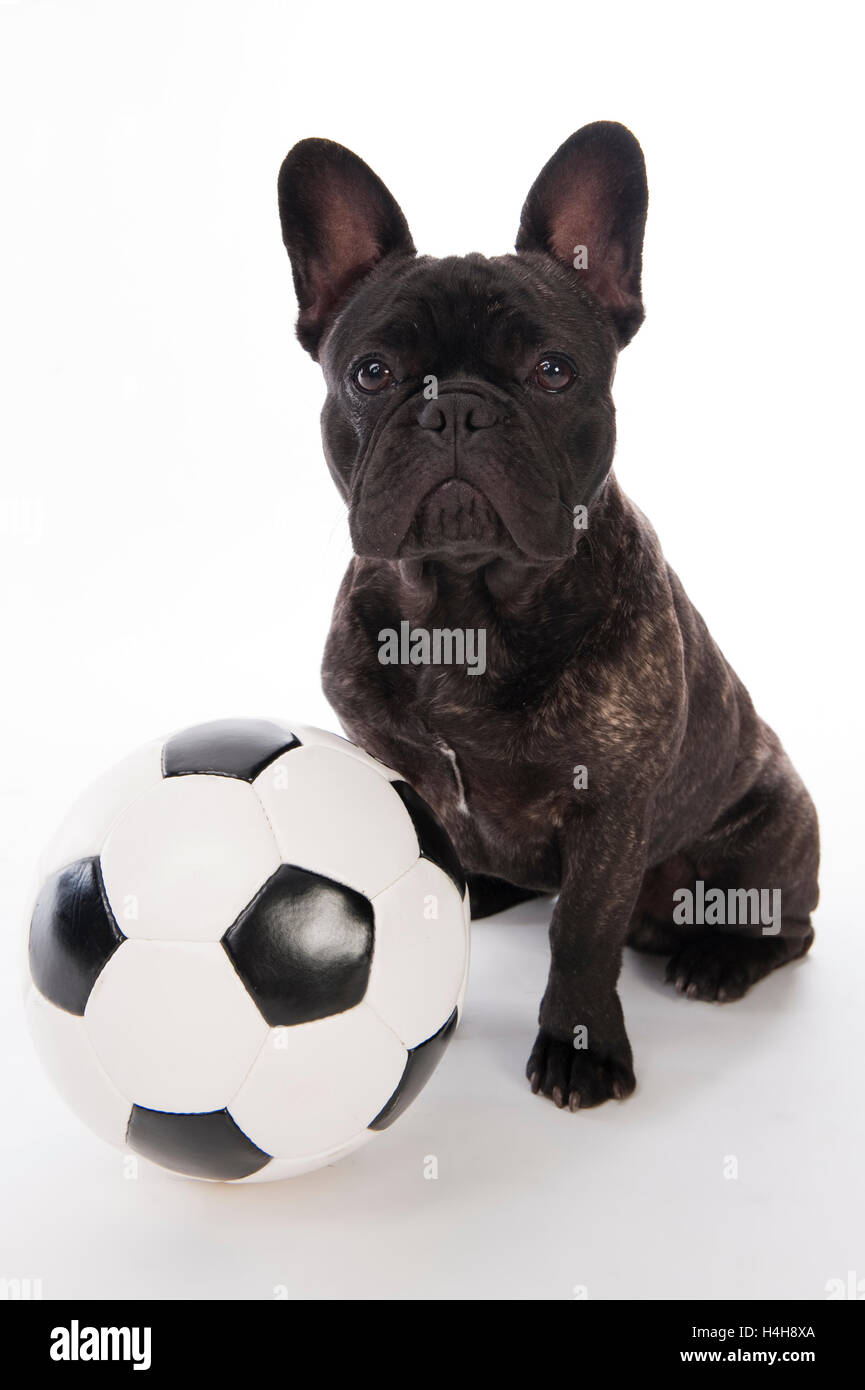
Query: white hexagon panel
{"points": [[248, 951], [66, 1053], [186, 857], [172, 1025], [421, 950], [83, 830], [316, 797], [318, 1086]]}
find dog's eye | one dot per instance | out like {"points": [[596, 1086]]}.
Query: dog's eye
{"points": [[373, 376], [554, 373]]}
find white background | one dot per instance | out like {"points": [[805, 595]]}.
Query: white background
{"points": [[171, 547]]}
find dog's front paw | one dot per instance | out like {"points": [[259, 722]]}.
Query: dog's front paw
{"points": [[579, 1077]]}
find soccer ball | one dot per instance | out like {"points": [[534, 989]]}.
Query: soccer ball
{"points": [[248, 952]]}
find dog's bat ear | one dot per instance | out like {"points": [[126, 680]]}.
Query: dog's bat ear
{"points": [[338, 221], [587, 208]]}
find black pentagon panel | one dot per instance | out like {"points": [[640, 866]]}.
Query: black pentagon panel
{"points": [[226, 748], [208, 1145], [303, 947], [422, 1062], [432, 838], [72, 935]]}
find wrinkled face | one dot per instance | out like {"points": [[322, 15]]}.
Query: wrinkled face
{"points": [[468, 408]]}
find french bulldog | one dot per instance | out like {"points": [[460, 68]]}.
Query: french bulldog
{"points": [[607, 753]]}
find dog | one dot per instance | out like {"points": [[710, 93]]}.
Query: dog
{"points": [[607, 753]]}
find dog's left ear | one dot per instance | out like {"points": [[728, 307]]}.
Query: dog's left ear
{"points": [[587, 208], [338, 221]]}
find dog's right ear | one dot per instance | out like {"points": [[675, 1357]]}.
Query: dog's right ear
{"points": [[338, 221]]}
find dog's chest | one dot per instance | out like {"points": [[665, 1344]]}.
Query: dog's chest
{"points": [[502, 811], [493, 753]]}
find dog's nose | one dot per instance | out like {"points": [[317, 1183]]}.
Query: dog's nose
{"points": [[454, 413]]}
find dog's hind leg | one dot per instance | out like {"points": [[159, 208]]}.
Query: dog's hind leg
{"points": [[763, 855]]}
